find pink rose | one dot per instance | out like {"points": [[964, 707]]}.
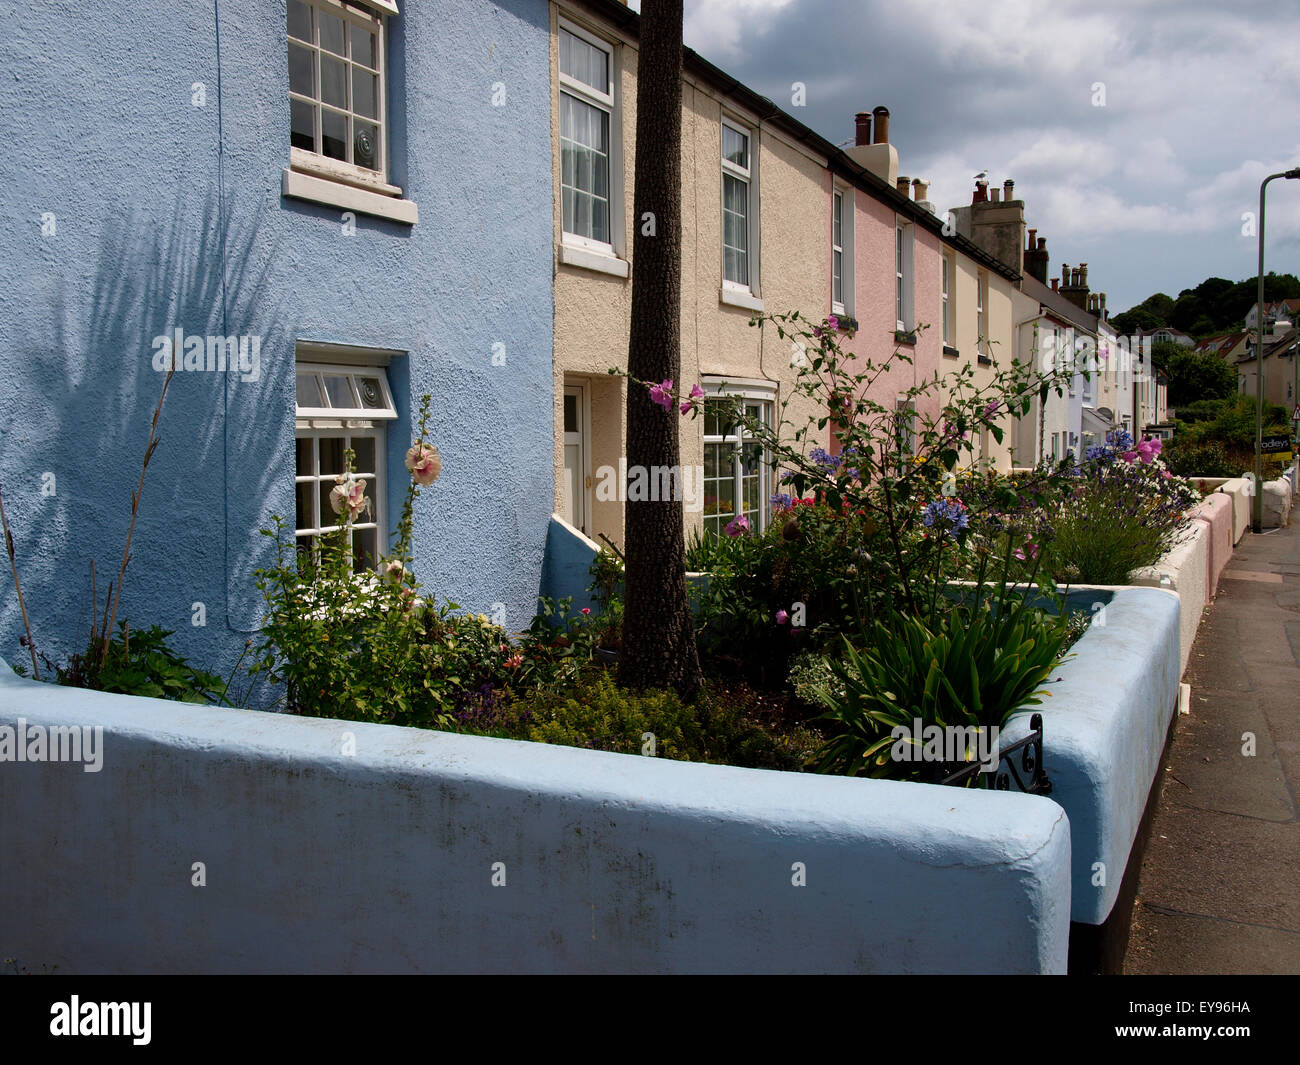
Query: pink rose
{"points": [[424, 463]]}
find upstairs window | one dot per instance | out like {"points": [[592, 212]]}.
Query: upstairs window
{"points": [[903, 276], [736, 217], [947, 300], [586, 121], [837, 252], [336, 85]]}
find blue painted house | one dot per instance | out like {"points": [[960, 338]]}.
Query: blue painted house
{"points": [[326, 209]]}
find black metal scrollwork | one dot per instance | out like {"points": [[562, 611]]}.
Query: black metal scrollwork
{"points": [[1028, 776]]}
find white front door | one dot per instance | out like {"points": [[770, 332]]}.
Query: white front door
{"points": [[575, 458]]}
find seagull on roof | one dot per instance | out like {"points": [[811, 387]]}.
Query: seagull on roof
{"points": [[981, 175]]}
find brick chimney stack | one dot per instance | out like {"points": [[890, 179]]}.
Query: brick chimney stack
{"points": [[871, 148], [995, 221], [1036, 258], [1074, 285]]}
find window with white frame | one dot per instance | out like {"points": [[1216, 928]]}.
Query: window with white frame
{"points": [[340, 408], [947, 299], [586, 131], [903, 276], [737, 473], [336, 85], [737, 176], [904, 427], [981, 312], [837, 252]]}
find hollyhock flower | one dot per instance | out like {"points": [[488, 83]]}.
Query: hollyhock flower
{"points": [[586, 610], [395, 571], [1130, 457], [1149, 449], [424, 463], [1028, 553], [834, 322], [739, 524], [693, 400], [349, 495], [663, 394], [782, 617], [992, 408]]}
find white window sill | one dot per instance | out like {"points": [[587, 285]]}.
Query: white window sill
{"points": [[735, 297], [838, 310], [348, 197], [600, 262]]}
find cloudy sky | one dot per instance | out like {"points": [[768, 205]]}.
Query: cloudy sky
{"points": [[1149, 189]]}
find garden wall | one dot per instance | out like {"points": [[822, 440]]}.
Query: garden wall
{"points": [[1104, 732], [1276, 509], [1215, 512], [1238, 490], [1186, 569], [315, 860]]}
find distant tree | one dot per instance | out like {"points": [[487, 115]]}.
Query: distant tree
{"points": [[1198, 375], [1216, 305]]}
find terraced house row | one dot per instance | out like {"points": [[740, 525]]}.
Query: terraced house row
{"points": [[382, 199]]}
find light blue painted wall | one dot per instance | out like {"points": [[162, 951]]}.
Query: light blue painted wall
{"points": [[382, 861], [161, 222], [1104, 729]]}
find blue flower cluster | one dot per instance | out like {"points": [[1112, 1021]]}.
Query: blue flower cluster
{"points": [[949, 515], [781, 501], [830, 462]]}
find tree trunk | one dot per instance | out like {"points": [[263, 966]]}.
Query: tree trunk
{"points": [[658, 635]]}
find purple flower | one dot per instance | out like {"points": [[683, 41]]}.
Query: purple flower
{"points": [[662, 394], [739, 524], [782, 617], [781, 501], [992, 408], [692, 401], [833, 322], [822, 458], [949, 515]]}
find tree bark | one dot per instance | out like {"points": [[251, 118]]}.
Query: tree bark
{"points": [[658, 647]]}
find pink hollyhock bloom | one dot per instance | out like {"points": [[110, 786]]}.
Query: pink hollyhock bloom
{"points": [[992, 408], [834, 322], [394, 571], [1149, 449], [1130, 457], [662, 394], [1032, 551], [693, 400], [350, 496], [424, 463], [739, 524], [782, 617], [586, 610]]}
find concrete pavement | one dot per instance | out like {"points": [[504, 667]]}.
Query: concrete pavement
{"points": [[1220, 882]]}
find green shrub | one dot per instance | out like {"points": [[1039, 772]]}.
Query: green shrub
{"points": [[974, 665], [1207, 458], [141, 663], [728, 725]]}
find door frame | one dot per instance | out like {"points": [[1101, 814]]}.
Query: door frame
{"points": [[580, 387]]}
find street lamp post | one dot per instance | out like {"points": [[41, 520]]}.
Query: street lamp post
{"points": [[1257, 509]]}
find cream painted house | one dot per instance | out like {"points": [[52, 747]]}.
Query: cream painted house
{"points": [[755, 212]]}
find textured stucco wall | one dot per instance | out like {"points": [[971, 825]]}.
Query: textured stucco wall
{"points": [[1104, 730], [593, 310], [161, 222], [1186, 565], [1215, 511], [383, 861]]}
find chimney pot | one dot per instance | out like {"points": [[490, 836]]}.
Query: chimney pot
{"points": [[920, 189], [1055, 282], [1065, 274], [981, 194], [1033, 233], [881, 115], [1042, 244], [993, 195], [862, 120], [1083, 274], [1007, 187]]}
